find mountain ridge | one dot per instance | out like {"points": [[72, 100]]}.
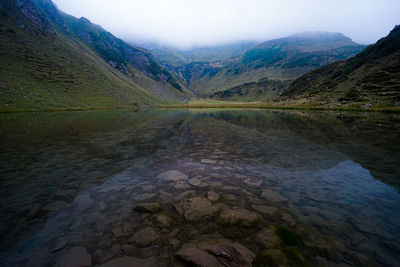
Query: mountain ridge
{"points": [[282, 59], [45, 65], [369, 79]]}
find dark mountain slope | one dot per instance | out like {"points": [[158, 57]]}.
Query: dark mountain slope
{"points": [[252, 91], [370, 78], [46, 65]]}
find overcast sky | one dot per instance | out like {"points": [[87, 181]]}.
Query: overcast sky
{"points": [[185, 23]]}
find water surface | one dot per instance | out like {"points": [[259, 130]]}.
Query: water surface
{"points": [[79, 179]]}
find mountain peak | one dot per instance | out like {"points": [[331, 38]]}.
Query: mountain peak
{"points": [[320, 35]]}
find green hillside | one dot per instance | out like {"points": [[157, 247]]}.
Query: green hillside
{"points": [[253, 91], [370, 79], [46, 63]]}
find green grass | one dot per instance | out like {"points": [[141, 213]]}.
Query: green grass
{"points": [[207, 103]]}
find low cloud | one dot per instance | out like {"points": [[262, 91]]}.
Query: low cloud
{"points": [[186, 23]]}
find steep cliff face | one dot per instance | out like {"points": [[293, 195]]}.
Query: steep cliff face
{"points": [[50, 60], [369, 79]]}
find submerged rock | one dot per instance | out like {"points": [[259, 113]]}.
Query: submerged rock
{"points": [[253, 182], [131, 261], [181, 185], [266, 210], [238, 215], [62, 243], [195, 182], [55, 206], [144, 196], [217, 253], [268, 237], [212, 196], [75, 257], [272, 257], [145, 237], [172, 175], [195, 208], [208, 161], [163, 220], [272, 196], [148, 207]]}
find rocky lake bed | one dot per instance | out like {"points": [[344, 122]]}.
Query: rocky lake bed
{"points": [[191, 188]]}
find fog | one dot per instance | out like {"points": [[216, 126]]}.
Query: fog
{"points": [[187, 23]]}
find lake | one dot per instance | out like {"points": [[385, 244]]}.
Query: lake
{"points": [[173, 187]]}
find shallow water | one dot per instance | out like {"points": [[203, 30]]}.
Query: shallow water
{"points": [[75, 179]]}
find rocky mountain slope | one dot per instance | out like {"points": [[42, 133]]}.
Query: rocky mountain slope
{"points": [[370, 79], [280, 60], [51, 60]]}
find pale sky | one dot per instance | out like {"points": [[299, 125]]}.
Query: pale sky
{"points": [[186, 23]]}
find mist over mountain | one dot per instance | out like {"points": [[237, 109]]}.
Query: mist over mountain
{"points": [[208, 70]]}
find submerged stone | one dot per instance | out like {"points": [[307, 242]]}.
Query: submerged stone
{"points": [[272, 196], [145, 196], [266, 210], [208, 161], [216, 253], [172, 175], [253, 182], [181, 185], [196, 208], [75, 257], [239, 215], [131, 261], [195, 181], [271, 257], [163, 220], [61, 244], [212, 196], [148, 207], [268, 237], [55, 206], [145, 237]]}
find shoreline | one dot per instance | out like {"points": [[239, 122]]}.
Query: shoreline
{"points": [[213, 106], [281, 107]]}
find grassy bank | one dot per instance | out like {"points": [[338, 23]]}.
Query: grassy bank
{"points": [[280, 105]]}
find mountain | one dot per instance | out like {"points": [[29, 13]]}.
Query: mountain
{"points": [[283, 59], [369, 79], [174, 57], [51, 60], [253, 91]]}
